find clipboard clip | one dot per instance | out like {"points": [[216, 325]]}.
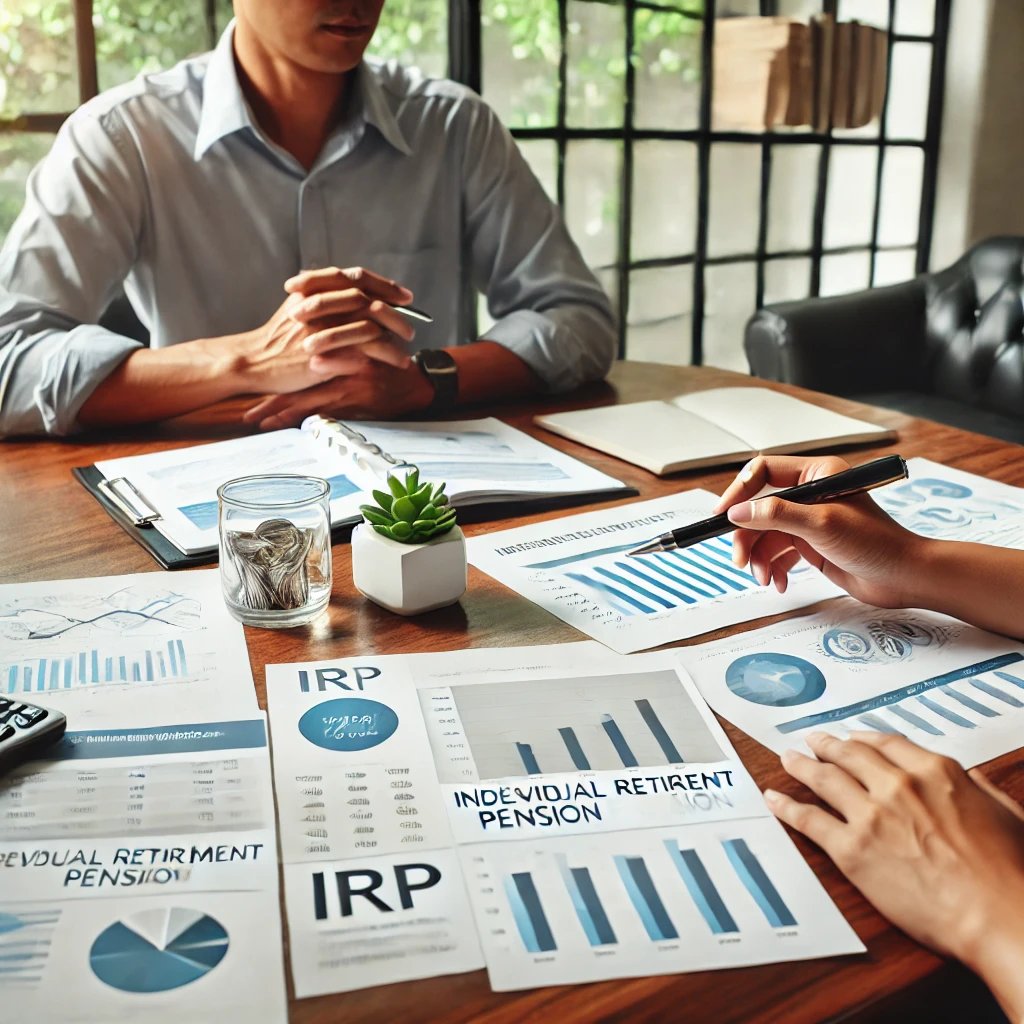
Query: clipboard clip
{"points": [[129, 500]]}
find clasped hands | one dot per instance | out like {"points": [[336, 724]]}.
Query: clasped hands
{"points": [[334, 345]]}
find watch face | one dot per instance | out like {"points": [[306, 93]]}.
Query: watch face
{"points": [[435, 360]]}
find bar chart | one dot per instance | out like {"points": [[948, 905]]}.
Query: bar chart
{"points": [[25, 939], [940, 706], [624, 891], [93, 665], [651, 584], [588, 723]]}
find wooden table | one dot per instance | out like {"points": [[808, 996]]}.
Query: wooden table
{"points": [[50, 528]]}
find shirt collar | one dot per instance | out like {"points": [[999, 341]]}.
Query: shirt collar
{"points": [[376, 110], [225, 110]]}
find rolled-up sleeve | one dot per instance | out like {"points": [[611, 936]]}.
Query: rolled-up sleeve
{"points": [[547, 305], [64, 259]]}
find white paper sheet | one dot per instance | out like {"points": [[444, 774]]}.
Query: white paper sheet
{"points": [[948, 686], [567, 773], [138, 878], [479, 459], [577, 568], [152, 642], [938, 501]]}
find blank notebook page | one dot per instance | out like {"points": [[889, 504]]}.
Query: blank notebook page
{"points": [[767, 419]]}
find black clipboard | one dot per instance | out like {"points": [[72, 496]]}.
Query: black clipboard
{"points": [[146, 536]]}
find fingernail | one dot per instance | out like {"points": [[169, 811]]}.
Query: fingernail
{"points": [[747, 472], [789, 756], [308, 344], [771, 797], [741, 513]]}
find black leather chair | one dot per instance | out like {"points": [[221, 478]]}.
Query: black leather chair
{"points": [[947, 346]]}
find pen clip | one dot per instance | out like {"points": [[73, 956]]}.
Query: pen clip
{"points": [[126, 496]]}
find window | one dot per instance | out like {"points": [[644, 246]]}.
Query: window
{"points": [[689, 228]]}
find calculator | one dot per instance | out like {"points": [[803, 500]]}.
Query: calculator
{"points": [[25, 730]]}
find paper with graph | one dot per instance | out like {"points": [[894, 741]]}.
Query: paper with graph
{"points": [[948, 504], [949, 687], [577, 568], [140, 876], [150, 640], [600, 824]]}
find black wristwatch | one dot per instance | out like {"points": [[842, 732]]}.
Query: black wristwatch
{"points": [[440, 369]]}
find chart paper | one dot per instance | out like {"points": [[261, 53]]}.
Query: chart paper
{"points": [[577, 568], [945, 685]]}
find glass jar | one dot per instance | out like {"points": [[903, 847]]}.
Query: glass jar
{"points": [[275, 548]]}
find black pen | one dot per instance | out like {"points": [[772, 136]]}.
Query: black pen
{"points": [[874, 474]]}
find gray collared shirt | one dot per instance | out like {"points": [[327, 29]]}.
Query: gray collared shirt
{"points": [[168, 187]]}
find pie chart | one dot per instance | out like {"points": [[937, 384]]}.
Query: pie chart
{"points": [[158, 950]]}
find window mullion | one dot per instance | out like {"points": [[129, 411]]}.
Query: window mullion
{"points": [[85, 48]]}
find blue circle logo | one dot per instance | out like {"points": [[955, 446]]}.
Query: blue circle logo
{"points": [[348, 723], [778, 680]]}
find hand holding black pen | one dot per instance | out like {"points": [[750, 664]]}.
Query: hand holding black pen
{"points": [[844, 484]]}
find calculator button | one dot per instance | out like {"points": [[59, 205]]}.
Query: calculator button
{"points": [[28, 716], [6, 732]]}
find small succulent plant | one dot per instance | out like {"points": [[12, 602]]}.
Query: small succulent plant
{"points": [[412, 513]]}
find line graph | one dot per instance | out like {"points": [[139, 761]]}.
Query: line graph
{"points": [[127, 612]]}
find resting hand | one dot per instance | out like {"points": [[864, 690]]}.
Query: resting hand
{"points": [[938, 851], [853, 542], [361, 388], [326, 313]]}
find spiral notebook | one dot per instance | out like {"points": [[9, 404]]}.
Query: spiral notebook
{"points": [[167, 501]]}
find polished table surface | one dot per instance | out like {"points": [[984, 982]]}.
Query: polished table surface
{"points": [[50, 528]]}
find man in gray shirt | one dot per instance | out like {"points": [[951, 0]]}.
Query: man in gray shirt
{"points": [[209, 189]]}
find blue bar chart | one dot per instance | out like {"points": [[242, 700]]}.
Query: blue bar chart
{"points": [[529, 914], [939, 706], [758, 884], [591, 723], [25, 940], [701, 889], [587, 904], [645, 899], [95, 666], [649, 584]]}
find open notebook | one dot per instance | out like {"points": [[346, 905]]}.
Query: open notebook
{"points": [[481, 460], [711, 428]]}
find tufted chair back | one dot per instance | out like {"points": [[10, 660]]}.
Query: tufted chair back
{"points": [[974, 327]]}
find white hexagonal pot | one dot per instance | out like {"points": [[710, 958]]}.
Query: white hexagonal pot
{"points": [[409, 578]]}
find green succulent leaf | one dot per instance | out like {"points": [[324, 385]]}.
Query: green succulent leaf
{"points": [[421, 498], [386, 530], [438, 498], [401, 531], [397, 487], [404, 509], [412, 480], [429, 511], [383, 499], [376, 516]]}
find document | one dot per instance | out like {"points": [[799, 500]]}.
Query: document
{"points": [[138, 878], [577, 568], [363, 830], [598, 824], [480, 460], [155, 642], [948, 504], [947, 686]]}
